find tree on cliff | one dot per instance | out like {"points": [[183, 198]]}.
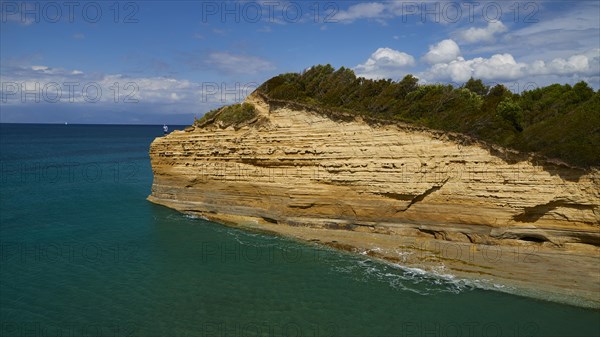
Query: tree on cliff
{"points": [[512, 112], [559, 121], [476, 86]]}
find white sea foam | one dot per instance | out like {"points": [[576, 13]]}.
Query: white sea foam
{"points": [[194, 216], [437, 279]]}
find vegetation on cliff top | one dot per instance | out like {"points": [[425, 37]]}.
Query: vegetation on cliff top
{"points": [[229, 115], [557, 121]]}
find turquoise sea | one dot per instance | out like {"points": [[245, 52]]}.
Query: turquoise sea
{"points": [[82, 253]]}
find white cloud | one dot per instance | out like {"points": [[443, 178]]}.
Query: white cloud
{"points": [[144, 96], [113, 88], [580, 16], [238, 64], [497, 67], [429, 11], [557, 34], [504, 67], [448, 66], [444, 51], [374, 10], [587, 63], [487, 34], [265, 29], [385, 63]]}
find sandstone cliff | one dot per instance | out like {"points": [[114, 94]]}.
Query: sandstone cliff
{"points": [[374, 186]]}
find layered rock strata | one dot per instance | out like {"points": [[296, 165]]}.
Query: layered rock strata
{"points": [[389, 189]]}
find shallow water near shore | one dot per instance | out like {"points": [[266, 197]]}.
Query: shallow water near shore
{"points": [[82, 253]]}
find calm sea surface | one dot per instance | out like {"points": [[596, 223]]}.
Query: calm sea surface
{"points": [[82, 253]]}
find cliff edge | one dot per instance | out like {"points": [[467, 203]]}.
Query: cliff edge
{"points": [[410, 195]]}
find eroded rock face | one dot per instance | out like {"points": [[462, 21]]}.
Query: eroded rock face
{"points": [[417, 197], [292, 166]]}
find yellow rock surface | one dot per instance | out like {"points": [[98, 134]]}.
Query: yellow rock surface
{"points": [[293, 168]]}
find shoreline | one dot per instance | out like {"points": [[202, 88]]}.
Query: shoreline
{"points": [[408, 196], [530, 269]]}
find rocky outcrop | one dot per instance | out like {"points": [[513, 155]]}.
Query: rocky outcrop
{"points": [[293, 167]]}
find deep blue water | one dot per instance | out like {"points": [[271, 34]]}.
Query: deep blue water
{"points": [[82, 253]]}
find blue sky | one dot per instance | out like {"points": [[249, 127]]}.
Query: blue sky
{"points": [[149, 62]]}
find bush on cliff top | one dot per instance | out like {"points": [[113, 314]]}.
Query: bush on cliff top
{"points": [[558, 121], [229, 115]]}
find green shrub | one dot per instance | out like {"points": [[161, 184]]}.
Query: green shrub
{"points": [[511, 112], [230, 115], [477, 86], [559, 121]]}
